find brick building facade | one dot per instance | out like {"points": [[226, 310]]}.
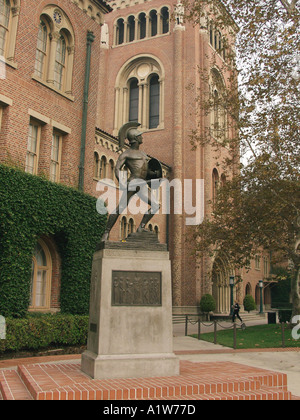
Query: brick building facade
{"points": [[146, 65]]}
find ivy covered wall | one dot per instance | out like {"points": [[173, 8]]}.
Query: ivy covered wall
{"points": [[30, 207]]}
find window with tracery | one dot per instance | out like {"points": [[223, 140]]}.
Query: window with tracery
{"points": [[54, 56], [140, 94], [40, 286]]}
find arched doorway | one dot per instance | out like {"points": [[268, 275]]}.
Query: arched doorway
{"points": [[221, 288], [248, 289]]}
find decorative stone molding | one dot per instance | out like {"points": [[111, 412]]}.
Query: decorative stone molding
{"points": [[93, 9], [122, 4]]}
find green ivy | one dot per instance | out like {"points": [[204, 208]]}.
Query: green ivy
{"points": [[31, 206]]}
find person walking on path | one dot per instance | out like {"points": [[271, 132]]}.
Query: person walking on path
{"points": [[236, 312]]}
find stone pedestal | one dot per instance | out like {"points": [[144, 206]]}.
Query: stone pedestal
{"points": [[130, 325]]}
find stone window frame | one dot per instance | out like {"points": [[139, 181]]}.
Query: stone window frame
{"points": [[55, 164], [142, 67], [48, 269], [58, 25], [218, 114], [11, 36], [34, 123]]}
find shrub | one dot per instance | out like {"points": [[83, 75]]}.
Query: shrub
{"points": [[249, 303], [207, 304], [37, 332]]}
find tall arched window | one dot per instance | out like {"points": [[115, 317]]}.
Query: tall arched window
{"points": [[153, 21], [142, 24], [134, 100], [131, 28], [103, 163], [140, 94], [111, 169], [154, 101], [130, 226], [54, 56], [41, 49], [215, 185], [218, 111], [96, 165], [5, 11], [165, 20], [120, 32], [123, 228], [40, 288], [60, 62]]}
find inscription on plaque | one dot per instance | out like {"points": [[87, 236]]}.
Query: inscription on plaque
{"points": [[136, 288]]}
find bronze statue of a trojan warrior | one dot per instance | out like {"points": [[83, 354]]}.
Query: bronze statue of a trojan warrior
{"points": [[142, 169]]}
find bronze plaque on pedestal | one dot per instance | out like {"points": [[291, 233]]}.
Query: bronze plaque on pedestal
{"points": [[136, 288]]}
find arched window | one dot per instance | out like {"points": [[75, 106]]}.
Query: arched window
{"points": [[54, 56], [248, 289], [5, 11], [131, 28], [111, 169], [215, 185], [142, 25], [120, 32], [153, 22], [96, 165], [60, 62], [165, 20], [140, 94], [40, 287], [154, 101], [41, 49], [134, 100], [130, 226], [123, 228], [103, 163], [218, 111]]}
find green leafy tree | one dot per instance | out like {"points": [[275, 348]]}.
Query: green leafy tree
{"points": [[259, 206]]}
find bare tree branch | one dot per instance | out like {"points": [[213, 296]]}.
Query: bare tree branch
{"points": [[289, 7]]}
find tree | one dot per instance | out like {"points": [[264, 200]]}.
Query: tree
{"points": [[259, 206]]}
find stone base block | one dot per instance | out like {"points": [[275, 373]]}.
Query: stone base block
{"points": [[129, 365]]}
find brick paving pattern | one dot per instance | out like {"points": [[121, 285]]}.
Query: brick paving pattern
{"points": [[197, 381]]}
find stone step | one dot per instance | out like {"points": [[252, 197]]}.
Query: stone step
{"points": [[197, 381]]}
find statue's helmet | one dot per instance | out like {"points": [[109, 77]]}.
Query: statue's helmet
{"points": [[132, 134], [128, 131]]}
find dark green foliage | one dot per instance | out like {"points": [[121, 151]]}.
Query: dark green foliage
{"points": [[207, 303], [37, 332], [285, 315], [31, 206], [249, 303]]}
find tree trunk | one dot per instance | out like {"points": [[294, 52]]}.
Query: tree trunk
{"points": [[295, 290]]}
